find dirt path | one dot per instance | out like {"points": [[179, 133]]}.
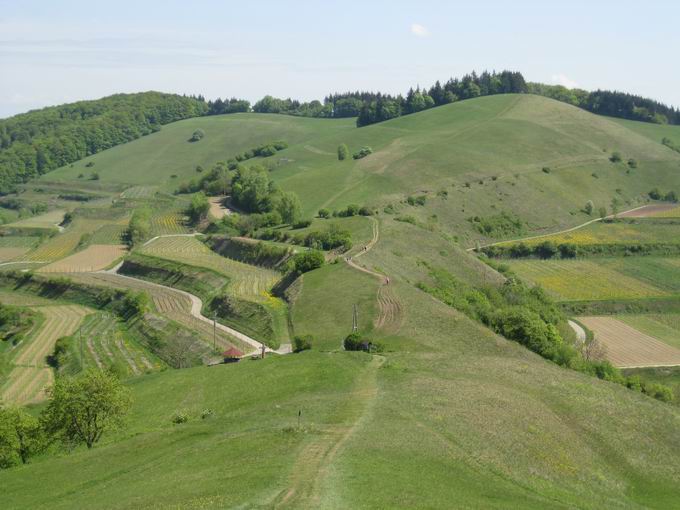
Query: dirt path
{"points": [[580, 332], [196, 306], [317, 456], [559, 232], [389, 308]]}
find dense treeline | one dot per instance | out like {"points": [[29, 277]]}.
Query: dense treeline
{"points": [[611, 103], [36, 142], [372, 107]]}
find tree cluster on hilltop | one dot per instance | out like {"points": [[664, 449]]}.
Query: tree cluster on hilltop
{"points": [[610, 103], [36, 142]]}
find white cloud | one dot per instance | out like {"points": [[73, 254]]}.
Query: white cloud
{"points": [[419, 30], [563, 80]]}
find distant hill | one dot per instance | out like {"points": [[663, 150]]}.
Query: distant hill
{"points": [[36, 142], [470, 158]]}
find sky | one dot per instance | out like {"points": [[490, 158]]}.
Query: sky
{"points": [[53, 52]]}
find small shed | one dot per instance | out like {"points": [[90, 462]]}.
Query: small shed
{"points": [[231, 355]]}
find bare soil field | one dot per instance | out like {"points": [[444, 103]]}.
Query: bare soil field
{"points": [[627, 347], [648, 211], [11, 253], [92, 258]]}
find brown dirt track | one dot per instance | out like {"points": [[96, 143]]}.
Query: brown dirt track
{"points": [[629, 348], [648, 210]]}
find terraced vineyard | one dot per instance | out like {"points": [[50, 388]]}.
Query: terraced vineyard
{"points": [[93, 258], [583, 280], [249, 282], [172, 304], [104, 345], [55, 247], [109, 234], [168, 222], [139, 192], [30, 375], [48, 220]]}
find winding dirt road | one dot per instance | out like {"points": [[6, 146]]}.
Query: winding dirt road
{"points": [[390, 314], [197, 306]]}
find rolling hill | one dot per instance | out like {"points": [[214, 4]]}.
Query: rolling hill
{"points": [[450, 414], [484, 155]]}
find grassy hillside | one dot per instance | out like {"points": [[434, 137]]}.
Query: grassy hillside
{"points": [[450, 414], [472, 158]]}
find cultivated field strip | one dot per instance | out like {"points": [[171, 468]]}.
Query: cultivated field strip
{"points": [[56, 247], [627, 347], [93, 258], [104, 345], [168, 222], [583, 280], [654, 211], [172, 304], [247, 281], [7, 254], [31, 375], [48, 220]]}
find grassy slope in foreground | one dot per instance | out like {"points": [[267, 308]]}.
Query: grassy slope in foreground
{"points": [[469, 419]]}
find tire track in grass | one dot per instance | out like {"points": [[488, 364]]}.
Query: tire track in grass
{"points": [[317, 456], [390, 312]]}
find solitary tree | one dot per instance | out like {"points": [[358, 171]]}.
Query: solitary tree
{"points": [[21, 436], [588, 208], [289, 207], [82, 408], [199, 207], [343, 152]]}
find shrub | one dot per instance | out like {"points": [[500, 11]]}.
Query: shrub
{"points": [[365, 211], [90, 164], [546, 250], [655, 194], [94, 176], [199, 169], [324, 213], [308, 261], [632, 163], [197, 135], [406, 219], [207, 413], [180, 417], [615, 157], [352, 342], [546, 170], [350, 210], [588, 208], [343, 152], [362, 153], [302, 343], [671, 196], [302, 224]]}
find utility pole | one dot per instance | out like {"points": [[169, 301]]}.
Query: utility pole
{"points": [[215, 331]]}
